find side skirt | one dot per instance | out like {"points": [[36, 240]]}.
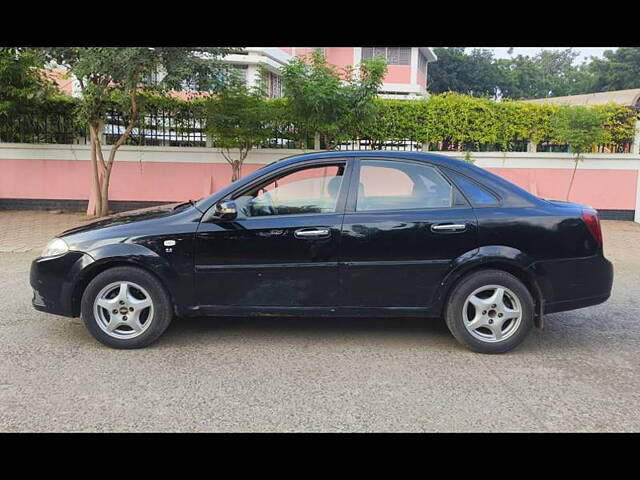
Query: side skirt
{"points": [[279, 311]]}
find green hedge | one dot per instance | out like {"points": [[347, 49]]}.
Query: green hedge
{"points": [[51, 121], [473, 122], [453, 120]]}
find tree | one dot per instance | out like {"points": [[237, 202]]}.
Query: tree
{"points": [[581, 128], [475, 73], [327, 102], [23, 84], [547, 74], [360, 94], [239, 119], [117, 77], [618, 70], [478, 73]]}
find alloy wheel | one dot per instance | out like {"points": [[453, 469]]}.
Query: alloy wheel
{"points": [[492, 313], [123, 309]]}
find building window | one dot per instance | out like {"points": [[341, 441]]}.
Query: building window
{"points": [[151, 78], [242, 71], [393, 55], [275, 86], [386, 92]]}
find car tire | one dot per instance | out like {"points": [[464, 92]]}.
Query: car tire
{"points": [[129, 297], [482, 311]]}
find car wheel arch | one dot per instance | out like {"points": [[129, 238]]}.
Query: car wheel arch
{"points": [[513, 265], [96, 268]]}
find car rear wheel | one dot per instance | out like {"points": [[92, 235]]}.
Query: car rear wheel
{"points": [[126, 307], [490, 311]]}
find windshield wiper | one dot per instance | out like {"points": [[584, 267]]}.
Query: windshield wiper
{"points": [[188, 202]]}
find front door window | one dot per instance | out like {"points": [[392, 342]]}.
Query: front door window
{"points": [[311, 190]]}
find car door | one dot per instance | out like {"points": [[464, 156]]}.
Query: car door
{"points": [[404, 224], [282, 249]]}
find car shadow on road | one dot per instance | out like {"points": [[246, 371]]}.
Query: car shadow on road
{"points": [[407, 332], [184, 329]]}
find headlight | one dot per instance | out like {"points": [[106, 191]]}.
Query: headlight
{"points": [[57, 246]]}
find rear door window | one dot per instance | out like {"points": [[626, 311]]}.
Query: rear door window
{"points": [[389, 185]]}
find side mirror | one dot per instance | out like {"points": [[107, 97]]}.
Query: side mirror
{"points": [[225, 210]]}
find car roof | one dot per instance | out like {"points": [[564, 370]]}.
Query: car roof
{"points": [[383, 154]]}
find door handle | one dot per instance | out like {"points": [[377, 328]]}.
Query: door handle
{"points": [[449, 227], [312, 233]]}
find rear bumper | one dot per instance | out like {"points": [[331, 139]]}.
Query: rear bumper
{"points": [[574, 283], [575, 304], [53, 280]]}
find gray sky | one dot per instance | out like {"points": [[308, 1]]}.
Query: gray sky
{"points": [[585, 52]]}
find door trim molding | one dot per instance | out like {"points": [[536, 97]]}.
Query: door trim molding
{"points": [[259, 266], [392, 263]]}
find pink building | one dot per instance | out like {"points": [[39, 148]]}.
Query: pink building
{"points": [[406, 76]]}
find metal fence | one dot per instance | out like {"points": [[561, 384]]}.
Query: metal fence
{"points": [[40, 128], [165, 128], [284, 136], [160, 128], [413, 145], [624, 147], [402, 144]]}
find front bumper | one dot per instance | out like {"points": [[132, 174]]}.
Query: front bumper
{"points": [[53, 280]]}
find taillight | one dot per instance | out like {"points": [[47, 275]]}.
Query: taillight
{"points": [[592, 221]]}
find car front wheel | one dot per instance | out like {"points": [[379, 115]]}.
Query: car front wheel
{"points": [[126, 307], [490, 311]]}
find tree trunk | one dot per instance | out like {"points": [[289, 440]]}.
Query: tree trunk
{"points": [[104, 194], [108, 165], [573, 175], [95, 202], [316, 141], [328, 142], [236, 166]]}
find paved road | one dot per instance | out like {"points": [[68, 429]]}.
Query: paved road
{"points": [[29, 231], [579, 374]]}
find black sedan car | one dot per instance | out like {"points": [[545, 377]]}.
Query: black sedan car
{"points": [[336, 233]]}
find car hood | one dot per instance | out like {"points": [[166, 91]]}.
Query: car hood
{"points": [[123, 218]]}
